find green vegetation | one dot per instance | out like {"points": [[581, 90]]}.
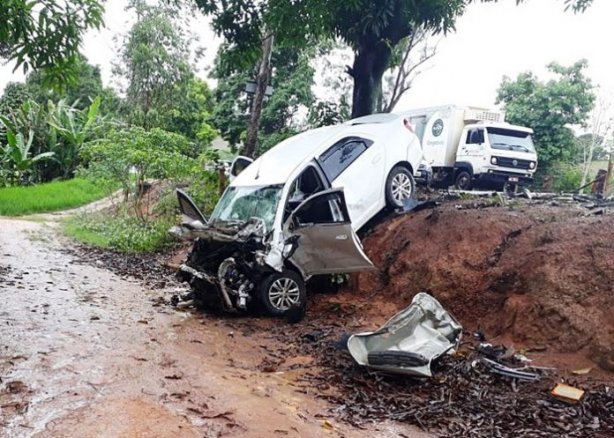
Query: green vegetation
{"points": [[550, 108], [54, 196], [371, 28], [120, 231], [46, 34]]}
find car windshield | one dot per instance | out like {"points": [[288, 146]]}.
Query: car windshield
{"points": [[510, 140], [243, 203]]}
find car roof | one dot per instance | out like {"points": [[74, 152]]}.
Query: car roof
{"points": [[277, 164]]}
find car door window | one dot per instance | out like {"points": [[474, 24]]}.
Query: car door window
{"points": [[305, 185], [343, 153], [321, 210]]}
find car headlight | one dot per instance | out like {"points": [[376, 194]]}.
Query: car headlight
{"points": [[493, 160], [532, 165]]}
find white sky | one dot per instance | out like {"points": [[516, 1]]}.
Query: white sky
{"points": [[491, 40]]}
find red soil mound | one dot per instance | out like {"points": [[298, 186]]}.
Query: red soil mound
{"points": [[535, 276]]}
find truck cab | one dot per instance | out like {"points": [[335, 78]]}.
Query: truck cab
{"points": [[491, 155]]}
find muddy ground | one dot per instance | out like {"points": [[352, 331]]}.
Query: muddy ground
{"points": [[90, 347], [85, 352]]}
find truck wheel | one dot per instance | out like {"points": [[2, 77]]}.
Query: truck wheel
{"points": [[400, 186], [283, 293], [463, 180]]}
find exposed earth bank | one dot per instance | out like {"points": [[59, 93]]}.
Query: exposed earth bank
{"points": [[532, 275]]}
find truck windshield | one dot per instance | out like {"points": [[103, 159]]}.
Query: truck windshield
{"points": [[243, 203], [510, 140]]}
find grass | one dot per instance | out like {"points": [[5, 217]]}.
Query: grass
{"points": [[120, 231], [48, 197]]}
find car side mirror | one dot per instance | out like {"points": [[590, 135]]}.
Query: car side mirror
{"points": [[239, 165]]}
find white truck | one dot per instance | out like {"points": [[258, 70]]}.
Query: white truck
{"points": [[473, 147]]}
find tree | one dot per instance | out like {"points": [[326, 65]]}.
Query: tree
{"points": [[15, 94], [550, 108], [46, 34], [189, 112], [372, 28], [154, 60], [79, 93], [132, 156], [18, 161], [291, 78], [407, 58], [72, 127], [601, 124]]}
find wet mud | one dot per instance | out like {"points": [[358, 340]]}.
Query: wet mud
{"points": [[87, 353]]}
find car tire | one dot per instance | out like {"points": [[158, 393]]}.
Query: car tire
{"points": [[400, 186], [282, 294], [463, 180]]}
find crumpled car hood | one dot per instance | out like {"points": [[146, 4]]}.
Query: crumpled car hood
{"points": [[410, 341], [238, 231]]}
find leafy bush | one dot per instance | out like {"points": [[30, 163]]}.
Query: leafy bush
{"points": [[567, 177], [54, 133], [133, 156]]}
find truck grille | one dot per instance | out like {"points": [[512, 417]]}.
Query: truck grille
{"points": [[513, 163]]}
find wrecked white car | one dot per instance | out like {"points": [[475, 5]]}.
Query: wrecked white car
{"points": [[293, 213]]}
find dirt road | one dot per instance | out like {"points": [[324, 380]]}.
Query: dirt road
{"points": [[85, 353]]}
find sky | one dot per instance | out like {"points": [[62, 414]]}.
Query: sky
{"points": [[490, 41]]}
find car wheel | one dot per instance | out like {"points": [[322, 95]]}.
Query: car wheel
{"points": [[400, 186], [463, 180], [283, 293]]}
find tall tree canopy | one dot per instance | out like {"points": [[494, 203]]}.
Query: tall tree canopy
{"points": [[46, 34], [550, 108], [154, 59], [79, 93], [372, 28]]}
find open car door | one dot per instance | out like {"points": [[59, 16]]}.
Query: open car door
{"points": [[238, 165], [189, 210], [325, 241]]}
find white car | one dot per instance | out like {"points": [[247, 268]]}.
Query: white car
{"points": [[293, 212]]}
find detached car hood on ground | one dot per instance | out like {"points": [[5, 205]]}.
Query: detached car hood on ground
{"points": [[410, 341]]}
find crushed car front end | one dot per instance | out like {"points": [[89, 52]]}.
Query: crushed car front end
{"points": [[226, 264]]}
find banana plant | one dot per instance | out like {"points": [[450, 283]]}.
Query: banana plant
{"points": [[74, 127], [17, 157]]}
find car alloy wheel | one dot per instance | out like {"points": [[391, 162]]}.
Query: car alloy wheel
{"points": [[401, 187], [284, 293]]}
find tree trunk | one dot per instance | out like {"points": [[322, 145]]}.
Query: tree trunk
{"points": [[261, 83], [609, 175], [370, 63]]}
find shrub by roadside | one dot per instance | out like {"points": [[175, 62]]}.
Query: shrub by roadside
{"points": [[121, 231], [44, 198]]}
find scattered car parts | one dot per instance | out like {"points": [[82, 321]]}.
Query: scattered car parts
{"points": [[410, 341]]}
